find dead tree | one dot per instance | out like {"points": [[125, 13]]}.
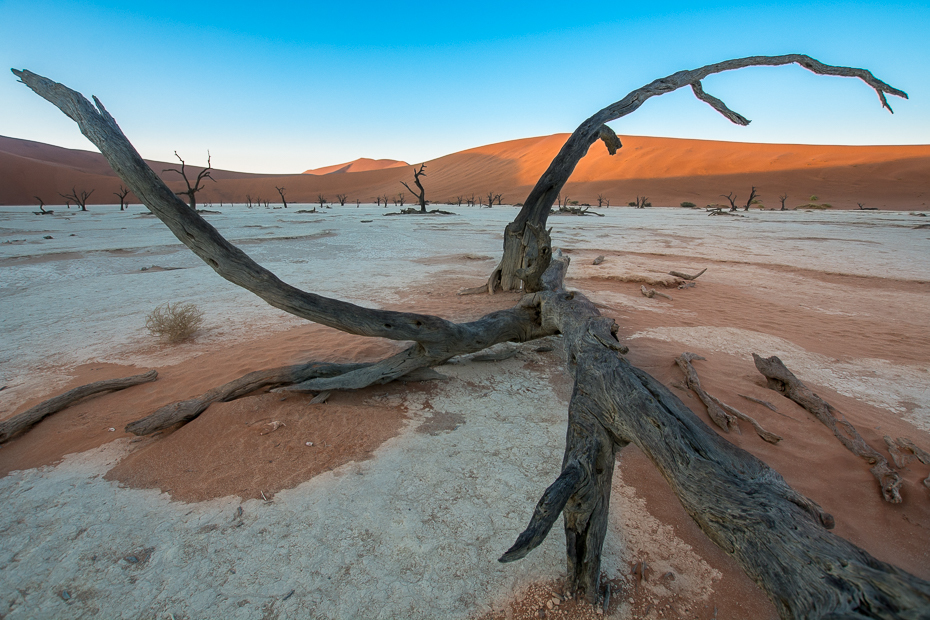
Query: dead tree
{"points": [[385, 198], [752, 199], [197, 186], [779, 537], [42, 210], [421, 195], [122, 193], [401, 197], [248, 198], [342, 199], [281, 193], [783, 198], [458, 200], [641, 202], [321, 199], [600, 201], [78, 197], [732, 198], [492, 198], [471, 200]]}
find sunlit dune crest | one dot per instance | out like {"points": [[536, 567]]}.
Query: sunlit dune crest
{"points": [[668, 171]]}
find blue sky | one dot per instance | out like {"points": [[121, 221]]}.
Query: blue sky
{"points": [[280, 87]]}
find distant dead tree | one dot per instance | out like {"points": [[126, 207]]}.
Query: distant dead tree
{"points": [[600, 200], [265, 202], [641, 202], [281, 193], [401, 197], [78, 198], [752, 199], [458, 200], [42, 210], [357, 203], [732, 198], [248, 198], [421, 195], [342, 199], [471, 201], [385, 199], [122, 193], [783, 198], [321, 199], [196, 187], [492, 197]]}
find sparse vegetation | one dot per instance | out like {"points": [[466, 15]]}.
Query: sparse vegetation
{"points": [[174, 323], [688, 205]]}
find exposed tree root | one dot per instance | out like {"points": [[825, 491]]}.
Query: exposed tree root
{"points": [[782, 380], [26, 420], [722, 414]]}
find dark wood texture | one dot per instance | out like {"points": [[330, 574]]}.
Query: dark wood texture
{"points": [[23, 422]]}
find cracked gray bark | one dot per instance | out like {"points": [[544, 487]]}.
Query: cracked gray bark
{"points": [[778, 536], [21, 423]]}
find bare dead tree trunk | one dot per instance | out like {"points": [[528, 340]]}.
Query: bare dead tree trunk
{"points": [[281, 193], [342, 199], [401, 197], [198, 182], [122, 193], [537, 205], [783, 198], [78, 197], [321, 199], [732, 198], [421, 195], [776, 535], [752, 197]]}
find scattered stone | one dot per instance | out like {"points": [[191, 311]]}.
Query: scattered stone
{"points": [[47, 237], [65, 595], [598, 260]]}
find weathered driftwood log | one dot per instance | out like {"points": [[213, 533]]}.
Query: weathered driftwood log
{"points": [[783, 381], [721, 413], [775, 533], [685, 276], [26, 420]]}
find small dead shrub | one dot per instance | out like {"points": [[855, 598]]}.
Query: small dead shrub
{"points": [[174, 322]]}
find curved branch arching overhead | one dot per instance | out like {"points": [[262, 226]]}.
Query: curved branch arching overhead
{"points": [[778, 536]]}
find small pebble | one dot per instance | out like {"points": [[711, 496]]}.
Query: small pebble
{"points": [[309, 443], [47, 237], [111, 429], [131, 559], [65, 595]]}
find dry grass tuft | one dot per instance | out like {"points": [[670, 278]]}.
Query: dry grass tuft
{"points": [[174, 323]]}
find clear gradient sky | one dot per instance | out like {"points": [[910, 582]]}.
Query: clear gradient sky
{"points": [[281, 87]]}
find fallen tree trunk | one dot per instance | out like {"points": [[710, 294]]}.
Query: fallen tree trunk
{"points": [[187, 410], [23, 422], [746, 508], [778, 536], [784, 382]]}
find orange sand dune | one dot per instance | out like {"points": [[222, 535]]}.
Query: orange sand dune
{"points": [[362, 164], [667, 170]]}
